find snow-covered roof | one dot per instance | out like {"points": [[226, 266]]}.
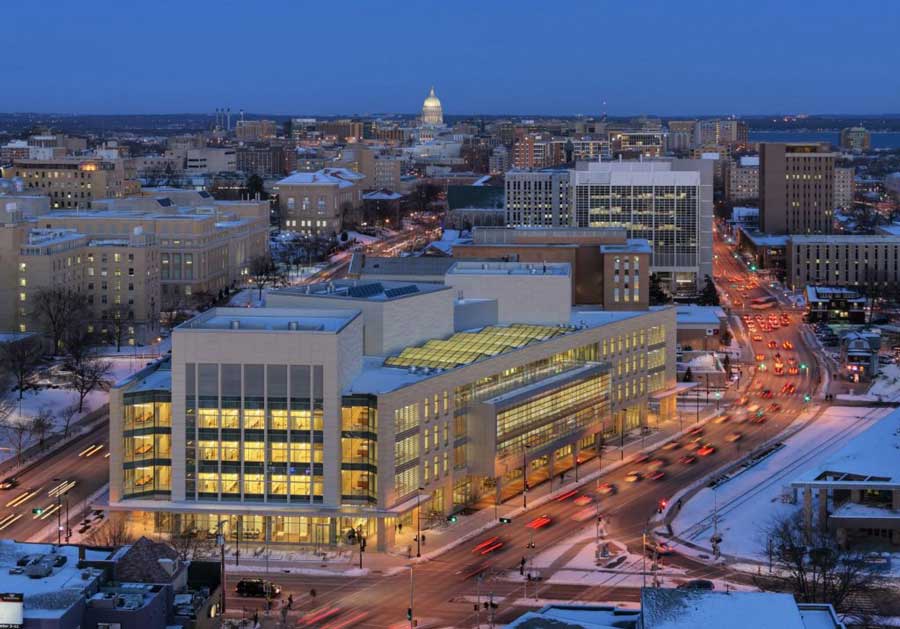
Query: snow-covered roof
{"points": [[578, 617], [688, 314], [361, 290], [297, 320], [632, 245], [690, 609], [382, 195], [50, 596], [847, 239], [510, 268], [341, 177], [767, 240], [750, 160], [825, 293], [871, 456]]}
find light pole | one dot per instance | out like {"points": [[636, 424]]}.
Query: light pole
{"points": [[525, 476], [418, 522], [412, 587]]}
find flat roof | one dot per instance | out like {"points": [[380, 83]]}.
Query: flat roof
{"points": [[664, 608], [871, 456], [365, 290], [632, 245], [561, 269], [847, 239], [766, 240], [824, 293], [299, 320], [692, 313]]}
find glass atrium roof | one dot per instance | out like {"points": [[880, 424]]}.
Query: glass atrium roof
{"points": [[466, 347]]}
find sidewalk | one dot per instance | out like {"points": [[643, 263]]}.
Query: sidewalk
{"points": [[344, 561]]}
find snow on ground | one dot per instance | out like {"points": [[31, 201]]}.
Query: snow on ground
{"points": [[887, 384], [748, 503], [362, 239], [248, 298], [56, 400]]}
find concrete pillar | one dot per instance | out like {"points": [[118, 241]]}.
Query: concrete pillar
{"points": [[823, 508], [385, 534], [552, 464]]}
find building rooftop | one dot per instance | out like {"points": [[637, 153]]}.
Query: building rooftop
{"points": [[687, 314], [411, 265], [825, 293], [416, 363], [632, 245], [871, 456], [690, 609], [562, 269], [750, 161], [766, 240], [341, 177], [64, 584], [351, 290], [847, 239], [298, 320]]}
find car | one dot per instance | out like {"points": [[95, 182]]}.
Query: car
{"points": [[772, 344], [706, 449], [697, 584], [671, 445], [488, 546], [539, 522], [633, 477], [607, 489], [774, 407], [791, 360], [687, 459], [656, 475], [9, 483], [566, 495], [721, 419], [742, 401], [760, 357], [692, 445], [257, 588], [695, 431], [787, 345], [766, 394], [759, 419], [793, 371], [779, 370], [660, 548], [733, 436], [655, 464], [640, 458], [582, 500], [757, 337]]}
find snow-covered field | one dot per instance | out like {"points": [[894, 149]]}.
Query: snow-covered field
{"points": [[748, 503]]}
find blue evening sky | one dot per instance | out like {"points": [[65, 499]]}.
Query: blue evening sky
{"points": [[483, 56]]}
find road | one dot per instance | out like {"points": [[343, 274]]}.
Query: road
{"points": [[75, 472], [407, 240]]}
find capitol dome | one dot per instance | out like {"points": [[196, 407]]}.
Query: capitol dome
{"points": [[432, 112]]}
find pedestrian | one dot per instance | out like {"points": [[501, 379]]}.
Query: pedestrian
{"points": [[423, 539], [256, 618], [409, 552], [290, 601]]}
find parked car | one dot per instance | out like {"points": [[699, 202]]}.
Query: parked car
{"points": [[698, 584], [257, 588]]}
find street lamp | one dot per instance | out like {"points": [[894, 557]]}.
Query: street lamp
{"points": [[419, 521], [59, 526], [525, 476]]}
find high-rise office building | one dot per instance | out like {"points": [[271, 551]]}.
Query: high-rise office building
{"points": [[796, 188], [539, 198], [856, 139], [666, 202]]}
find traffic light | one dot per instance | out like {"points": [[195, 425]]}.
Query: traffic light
{"points": [[753, 267], [37, 510], [409, 613], [662, 505], [802, 365], [806, 398], [505, 520], [451, 518]]}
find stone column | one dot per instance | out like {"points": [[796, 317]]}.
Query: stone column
{"points": [[385, 534]]}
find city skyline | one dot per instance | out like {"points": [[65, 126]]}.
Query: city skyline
{"points": [[697, 60]]}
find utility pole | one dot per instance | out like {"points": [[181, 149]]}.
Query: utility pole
{"points": [[525, 477], [220, 540], [412, 587]]}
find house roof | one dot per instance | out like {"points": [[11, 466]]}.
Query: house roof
{"points": [[140, 562]]}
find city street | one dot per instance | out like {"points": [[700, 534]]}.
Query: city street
{"points": [[73, 473]]}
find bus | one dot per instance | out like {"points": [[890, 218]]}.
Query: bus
{"points": [[763, 303]]}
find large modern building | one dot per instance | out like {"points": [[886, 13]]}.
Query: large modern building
{"points": [[718, 132], [844, 187], [796, 188], [350, 405], [666, 202], [539, 198], [867, 263], [741, 178]]}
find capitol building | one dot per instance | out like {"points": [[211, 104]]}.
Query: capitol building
{"points": [[432, 112]]}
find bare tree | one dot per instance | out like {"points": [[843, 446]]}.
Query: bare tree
{"points": [[20, 359], [89, 372], [116, 320], [41, 424], [16, 433], [263, 271], [113, 533], [67, 415], [189, 544], [59, 310], [815, 568]]}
